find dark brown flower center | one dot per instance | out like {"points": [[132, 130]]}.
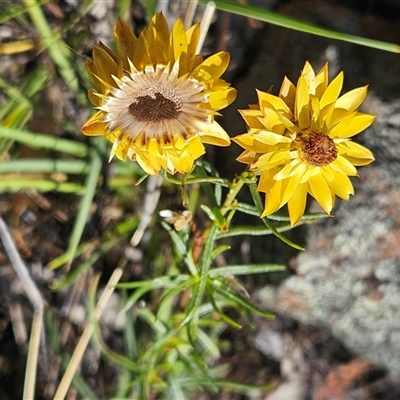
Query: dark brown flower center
{"points": [[317, 149], [156, 104]]}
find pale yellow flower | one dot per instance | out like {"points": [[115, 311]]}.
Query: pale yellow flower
{"points": [[300, 142], [157, 98]]}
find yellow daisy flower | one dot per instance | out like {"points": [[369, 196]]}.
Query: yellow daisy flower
{"points": [[157, 98], [300, 142]]}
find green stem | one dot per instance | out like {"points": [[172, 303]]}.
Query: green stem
{"points": [[234, 189]]}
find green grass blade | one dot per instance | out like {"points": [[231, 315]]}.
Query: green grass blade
{"points": [[13, 185], [204, 265], [181, 249], [41, 141], [58, 51], [291, 23], [18, 109], [244, 388], [45, 166], [14, 12], [245, 269], [86, 201], [237, 300]]}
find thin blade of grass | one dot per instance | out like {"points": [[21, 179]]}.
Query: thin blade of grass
{"points": [[58, 51], [15, 12], [47, 166], [14, 185], [41, 141], [291, 23], [96, 162], [238, 300], [245, 269]]}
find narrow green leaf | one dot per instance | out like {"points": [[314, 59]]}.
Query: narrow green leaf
{"points": [[217, 310], [47, 166], [247, 209], [74, 274], [58, 51], [238, 300], [243, 388], [13, 185], [219, 250], [306, 218], [245, 269], [273, 18], [174, 291], [181, 249], [84, 207], [41, 141], [246, 231]]}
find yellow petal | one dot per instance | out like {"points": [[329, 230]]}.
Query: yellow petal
{"points": [[273, 159], [184, 163], [212, 68], [335, 116], [288, 93], [198, 59], [149, 163], [247, 157], [308, 173], [272, 138], [309, 76], [125, 40], [320, 190], [267, 100], [351, 125], [141, 56], [95, 126], [273, 199], [357, 154], [294, 167], [213, 134], [195, 147], [250, 143], [121, 147], [351, 100], [315, 111], [251, 117], [178, 46], [291, 186], [94, 99], [192, 38], [332, 92], [114, 57], [160, 39], [222, 99], [341, 185], [92, 71], [302, 101], [297, 204], [272, 121], [344, 166], [266, 181], [321, 81], [246, 140], [105, 65]]}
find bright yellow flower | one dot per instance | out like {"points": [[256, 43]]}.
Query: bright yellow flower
{"points": [[157, 98], [300, 142]]}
